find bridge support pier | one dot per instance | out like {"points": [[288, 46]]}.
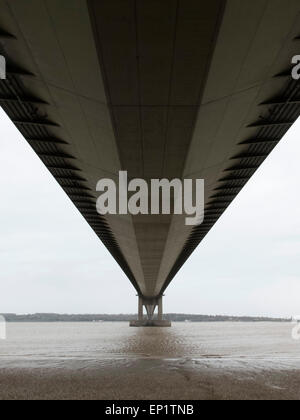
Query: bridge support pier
{"points": [[150, 320]]}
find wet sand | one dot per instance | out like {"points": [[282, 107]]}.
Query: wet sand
{"points": [[149, 380]]}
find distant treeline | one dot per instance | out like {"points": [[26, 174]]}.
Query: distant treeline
{"points": [[127, 318]]}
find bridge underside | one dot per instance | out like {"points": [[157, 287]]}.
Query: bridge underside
{"points": [[162, 89]]}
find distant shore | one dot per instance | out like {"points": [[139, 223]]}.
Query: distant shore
{"points": [[49, 317]]}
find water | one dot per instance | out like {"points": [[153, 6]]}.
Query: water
{"points": [[231, 344], [113, 361]]}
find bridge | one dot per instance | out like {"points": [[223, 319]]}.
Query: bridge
{"points": [[162, 89]]}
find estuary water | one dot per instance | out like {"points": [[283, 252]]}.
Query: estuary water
{"points": [[191, 360]]}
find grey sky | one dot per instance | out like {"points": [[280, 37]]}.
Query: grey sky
{"points": [[51, 261]]}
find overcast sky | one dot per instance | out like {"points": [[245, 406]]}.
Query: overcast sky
{"points": [[51, 260]]}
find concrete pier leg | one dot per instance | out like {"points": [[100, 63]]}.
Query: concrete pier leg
{"points": [[150, 308], [160, 309], [150, 305], [141, 306]]}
